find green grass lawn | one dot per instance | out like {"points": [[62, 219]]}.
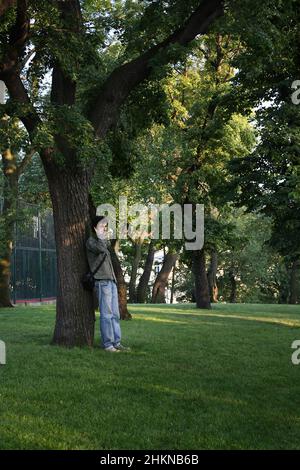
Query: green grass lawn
{"points": [[195, 379]]}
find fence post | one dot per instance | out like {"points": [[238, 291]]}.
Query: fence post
{"points": [[15, 262], [2, 353], [40, 255]]}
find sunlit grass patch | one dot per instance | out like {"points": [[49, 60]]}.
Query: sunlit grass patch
{"points": [[195, 379]]}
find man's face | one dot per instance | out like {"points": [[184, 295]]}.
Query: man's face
{"points": [[101, 229]]}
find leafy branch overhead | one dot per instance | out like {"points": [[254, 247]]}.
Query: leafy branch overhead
{"points": [[62, 34]]}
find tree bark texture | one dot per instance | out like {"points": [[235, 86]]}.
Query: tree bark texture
{"points": [[212, 277], [161, 281], [145, 277], [200, 279]]}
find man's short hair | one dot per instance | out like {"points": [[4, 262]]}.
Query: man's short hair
{"points": [[97, 219]]}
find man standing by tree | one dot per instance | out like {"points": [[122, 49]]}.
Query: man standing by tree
{"points": [[106, 286]]}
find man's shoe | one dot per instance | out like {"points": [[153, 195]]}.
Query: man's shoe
{"points": [[120, 347], [111, 349]]}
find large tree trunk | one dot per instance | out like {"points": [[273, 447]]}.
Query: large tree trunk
{"points": [[161, 281], [145, 277], [134, 269], [212, 277], [122, 288], [201, 283], [8, 216], [75, 314], [294, 282]]}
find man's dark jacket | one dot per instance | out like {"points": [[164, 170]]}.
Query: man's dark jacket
{"points": [[96, 249]]}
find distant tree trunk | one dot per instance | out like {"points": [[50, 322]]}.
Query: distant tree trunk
{"points": [[8, 216], [212, 277], [294, 282], [200, 277], [160, 284], [233, 288], [283, 294], [284, 284], [122, 288], [173, 284], [134, 269], [145, 277]]}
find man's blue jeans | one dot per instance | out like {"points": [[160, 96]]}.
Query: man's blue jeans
{"points": [[110, 330]]}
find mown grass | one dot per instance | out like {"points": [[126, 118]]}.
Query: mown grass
{"points": [[195, 379]]}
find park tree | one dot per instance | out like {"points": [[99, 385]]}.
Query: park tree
{"points": [[16, 155], [161, 281], [272, 170], [65, 37], [209, 133], [246, 270], [166, 171], [142, 288], [268, 182], [94, 56], [269, 178]]}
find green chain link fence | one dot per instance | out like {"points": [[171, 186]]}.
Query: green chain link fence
{"points": [[33, 263]]}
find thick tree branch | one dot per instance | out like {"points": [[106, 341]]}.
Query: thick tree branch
{"points": [[10, 65], [63, 87], [17, 92], [18, 36], [126, 77]]}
